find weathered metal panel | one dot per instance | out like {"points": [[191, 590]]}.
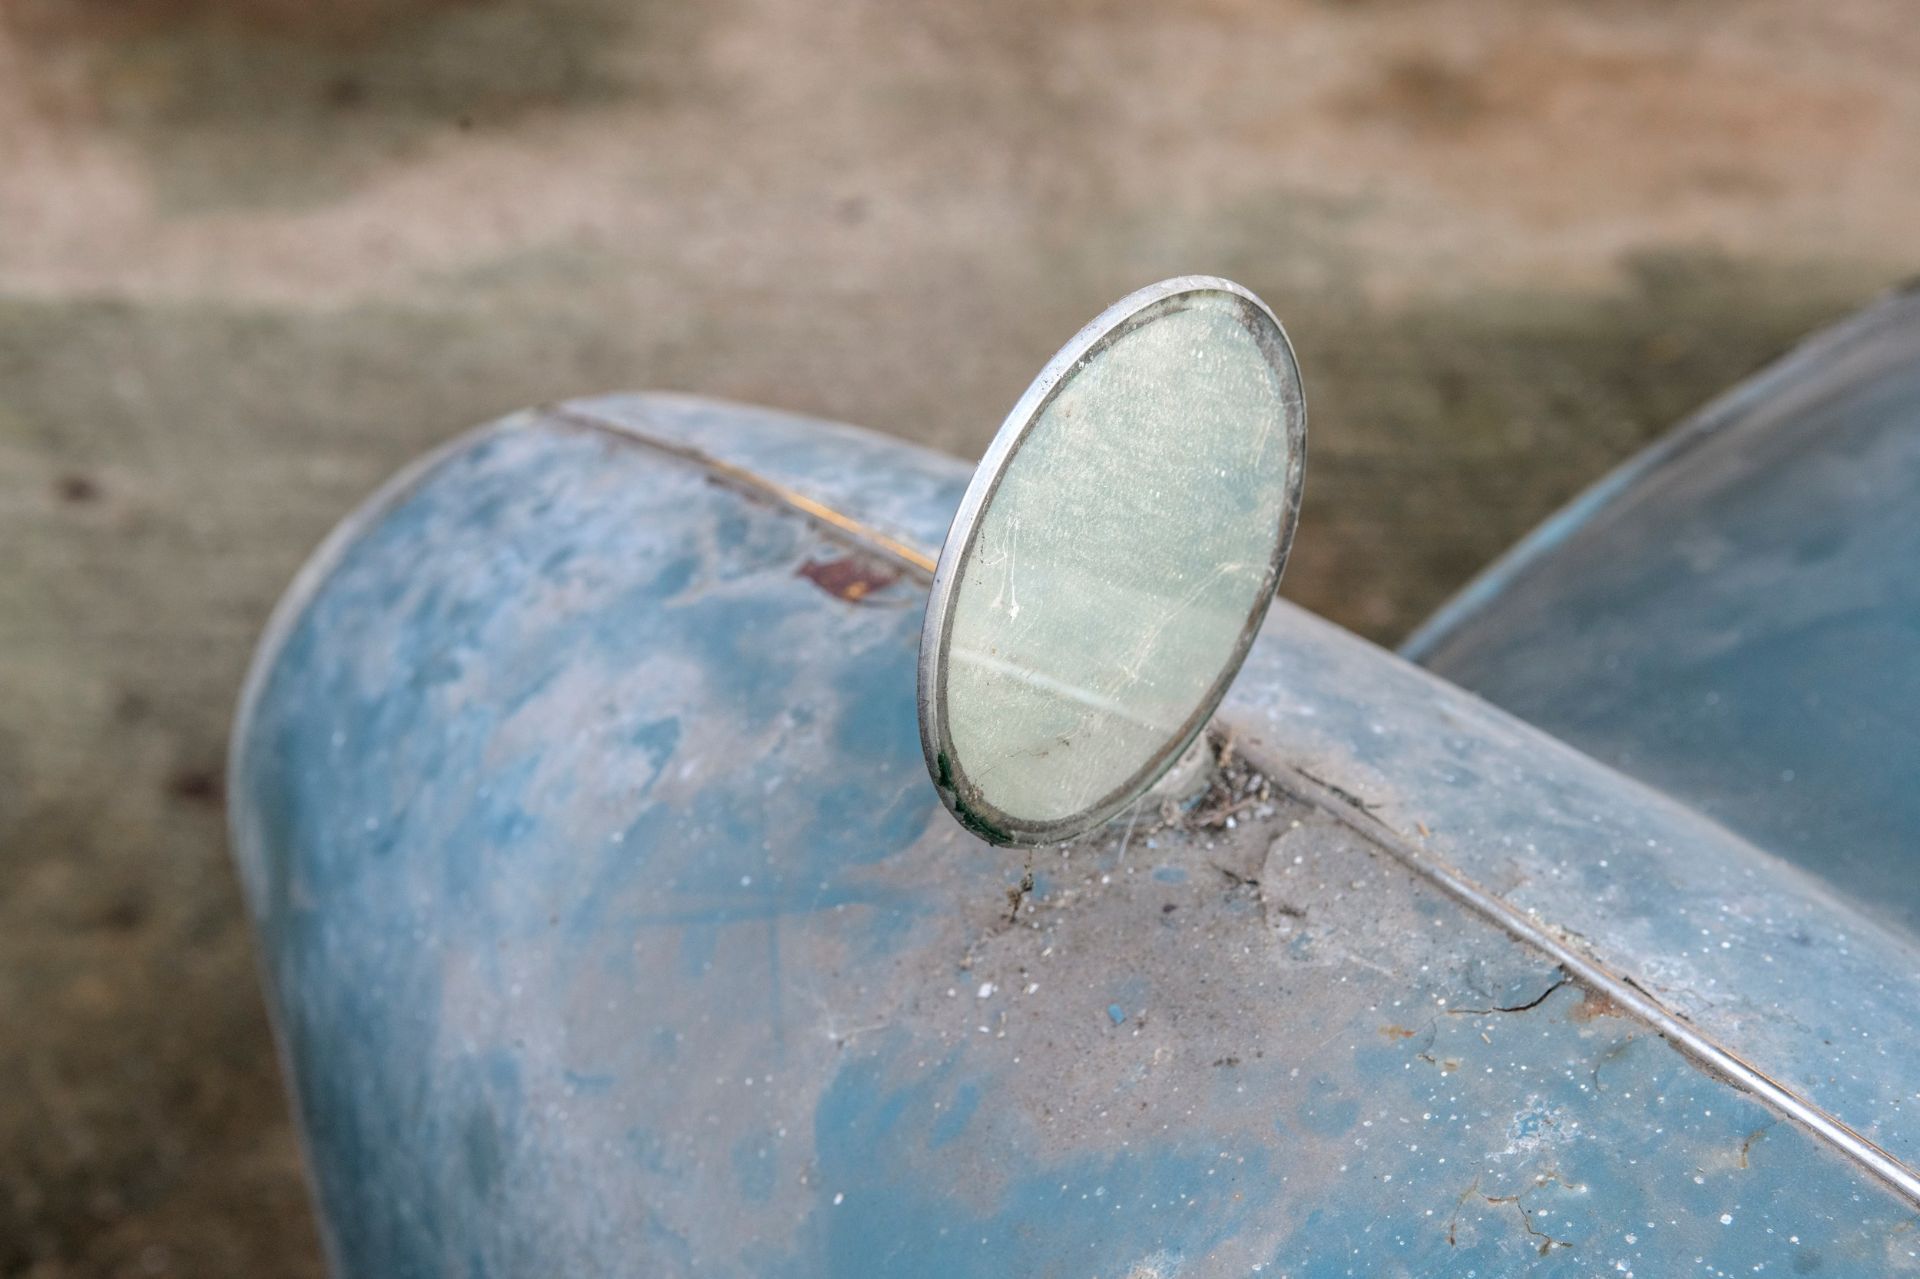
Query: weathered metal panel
{"points": [[1735, 617], [1753, 952], [612, 926]]}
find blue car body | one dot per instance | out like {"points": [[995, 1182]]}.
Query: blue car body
{"points": [[611, 925]]}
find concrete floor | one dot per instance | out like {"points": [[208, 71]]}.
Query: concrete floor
{"points": [[256, 253]]}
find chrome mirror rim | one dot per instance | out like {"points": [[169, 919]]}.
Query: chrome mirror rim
{"points": [[956, 792]]}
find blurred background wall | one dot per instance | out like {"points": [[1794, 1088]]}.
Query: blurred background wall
{"points": [[256, 253]]}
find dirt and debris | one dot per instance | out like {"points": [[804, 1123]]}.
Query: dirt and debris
{"points": [[1018, 893], [1287, 889], [1234, 791]]}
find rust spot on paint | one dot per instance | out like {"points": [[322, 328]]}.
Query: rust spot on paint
{"points": [[1596, 1005], [1398, 1032], [851, 577]]}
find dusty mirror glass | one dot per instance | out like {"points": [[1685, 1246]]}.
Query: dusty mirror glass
{"points": [[1111, 560]]}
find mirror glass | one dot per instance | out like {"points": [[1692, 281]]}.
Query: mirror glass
{"points": [[1114, 555]]}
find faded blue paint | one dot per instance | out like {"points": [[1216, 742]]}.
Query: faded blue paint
{"points": [[605, 936], [1084, 1216], [957, 1115], [754, 1167]]}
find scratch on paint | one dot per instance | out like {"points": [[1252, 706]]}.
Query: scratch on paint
{"points": [[1529, 1006], [1548, 1242]]}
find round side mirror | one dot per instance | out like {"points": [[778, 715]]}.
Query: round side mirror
{"points": [[1111, 561]]}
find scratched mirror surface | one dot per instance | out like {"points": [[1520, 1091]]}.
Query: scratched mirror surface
{"points": [[1119, 564]]}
